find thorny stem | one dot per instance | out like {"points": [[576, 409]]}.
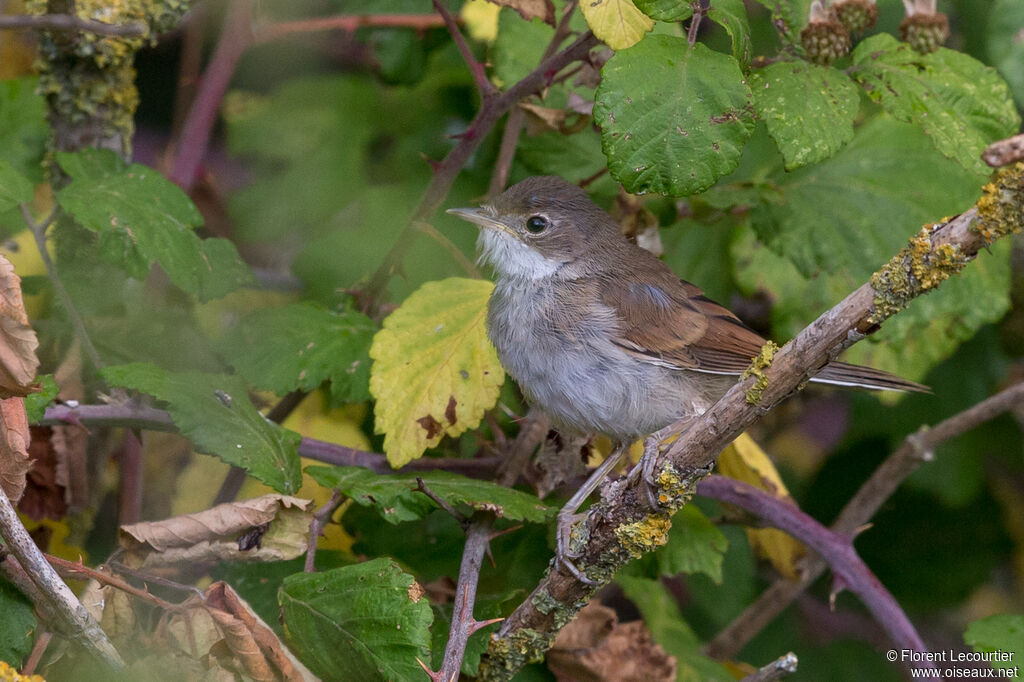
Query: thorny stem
{"points": [[191, 146], [321, 518], [883, 482], [483, 86], [39, 233], [700, 8], [836, 549]]}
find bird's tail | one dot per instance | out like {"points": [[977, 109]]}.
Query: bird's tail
{"points": [[844, 374]]}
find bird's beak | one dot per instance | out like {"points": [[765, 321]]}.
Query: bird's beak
{"points": [[479, 216]]}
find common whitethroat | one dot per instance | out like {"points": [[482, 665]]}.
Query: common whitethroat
{"points": [[603, 336]]}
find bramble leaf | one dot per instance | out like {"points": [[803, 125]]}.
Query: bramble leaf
{"points": [[809, 109], [434, 370], [674, 117], [396, 497], [695, 545], [617, 22], [300, 346], [370, 621], [214, 412], [960, 103]]}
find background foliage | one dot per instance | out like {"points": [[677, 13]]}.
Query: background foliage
{"points": [[776, 184]]}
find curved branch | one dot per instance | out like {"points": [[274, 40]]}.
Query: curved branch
{"points": [[69, 22], [622, 525], [883, 482], [837, 550]]}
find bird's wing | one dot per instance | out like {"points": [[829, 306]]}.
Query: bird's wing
{"points": [[669, 322]]}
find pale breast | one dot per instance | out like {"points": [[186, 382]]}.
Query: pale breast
{"points": [[564, 361]]}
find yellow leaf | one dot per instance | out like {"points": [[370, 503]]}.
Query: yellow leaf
{"points": [[744, 460], [434, 370], [617, 22], [481, 20]]}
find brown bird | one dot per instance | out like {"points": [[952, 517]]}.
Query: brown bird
{"points": [[602, 335]]}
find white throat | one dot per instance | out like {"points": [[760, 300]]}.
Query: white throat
{"points": [[513, 258]]}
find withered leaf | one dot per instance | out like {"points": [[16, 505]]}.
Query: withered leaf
{"points": [[14, 440], [531, 9], [18, 342]]}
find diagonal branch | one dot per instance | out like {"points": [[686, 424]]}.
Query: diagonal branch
{"points": [[484, 87], [69, 22], [837, 550], [622, 525], [905, 460]]}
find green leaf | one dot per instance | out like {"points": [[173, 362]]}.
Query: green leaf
{"points": [[673, 117], [518, 48], [1005, 48], [23, 129], [17, 627], [300, 346], [14, 187], [142, 217], [699, 252], [396, 497], [434, 370], [666, 10], [695, 545], [854, 211], [665, 621], [732, 16], [789, 17], [370, 621], [617, 22], [962, 104], [214, 412], [809, 109], [36, 403], [1002, 634]]}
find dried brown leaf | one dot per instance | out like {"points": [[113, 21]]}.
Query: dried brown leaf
{"points": [[18, 342], [44, 496], [212, 535], [14, 441], [594, 648], [531, 9]]}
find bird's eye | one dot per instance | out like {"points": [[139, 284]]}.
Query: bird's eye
{"points": [[537, 224]]}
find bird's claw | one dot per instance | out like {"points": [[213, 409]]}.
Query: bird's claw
{"points": [[564, 554]]}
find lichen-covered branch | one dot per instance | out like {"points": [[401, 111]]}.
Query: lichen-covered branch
{"points": [[931, 257]]}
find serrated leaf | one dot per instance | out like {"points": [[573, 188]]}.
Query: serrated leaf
{"points": [[518, 46], [673, 117], [732, 16], [36, 403], [808, 109], [365, 622], [1002, 634], [434, 370], [962, 104], [695, 545], [396, 496], [142, 217], [15, 188], [17, 627], [300, 346], [744, 460], [617, 22], [853, 211], [666, 10], [214, 412]]}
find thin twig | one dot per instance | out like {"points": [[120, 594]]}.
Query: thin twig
{"points": [[348, 23], [133, 415], [132, 475], [484, 86], [448, 245], [156, 579], [700, 8], [39, 233], [834, 548], [879, 487], [68, 22], [776, 670], [78, 569], [190, 148], [36, 655], [321, 518], [441, 502], [72, 619]]}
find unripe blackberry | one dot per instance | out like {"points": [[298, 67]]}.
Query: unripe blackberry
{"points": [[925, 32], [856, 15], [825, 39]]}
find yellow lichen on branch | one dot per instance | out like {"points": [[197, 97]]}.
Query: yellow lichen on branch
{"points": [[757, 367]]}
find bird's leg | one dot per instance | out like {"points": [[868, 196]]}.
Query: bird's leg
{"points": [[648, 462], [567, 516]]}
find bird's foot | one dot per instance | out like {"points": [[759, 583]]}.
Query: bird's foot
{"points": [[564, 552]]}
